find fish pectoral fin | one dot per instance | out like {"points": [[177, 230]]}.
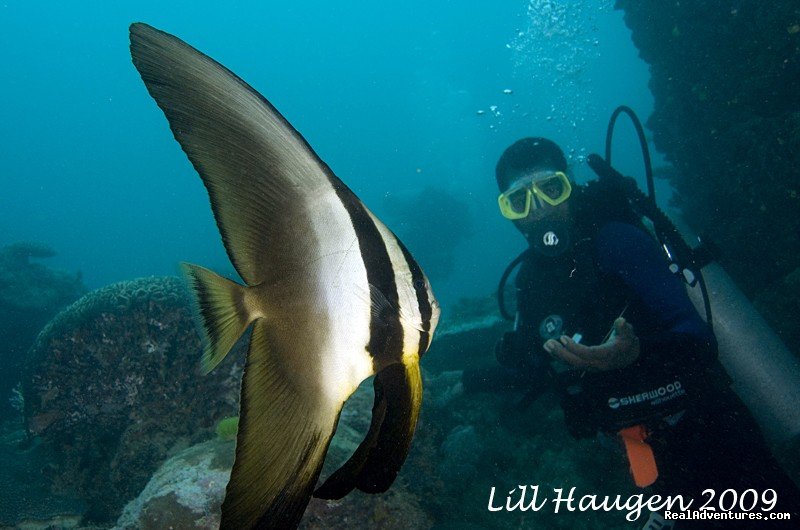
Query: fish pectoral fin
{"points": [[381, 309], [384, 311], [283, 436], [377, 461], [380, 306]]}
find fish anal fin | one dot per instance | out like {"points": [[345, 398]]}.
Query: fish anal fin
{"points": [[281, 444], [401, 384], [343, 480], [377, 461]]}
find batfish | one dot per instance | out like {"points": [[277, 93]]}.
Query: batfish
{"points": [[331, 295]]}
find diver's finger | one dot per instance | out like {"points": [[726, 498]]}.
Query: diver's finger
{"points": [[559, 351], [580, 350], [622, 328]]}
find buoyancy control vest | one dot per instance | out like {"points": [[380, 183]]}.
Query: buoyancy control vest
{"points": [[570, 295]]}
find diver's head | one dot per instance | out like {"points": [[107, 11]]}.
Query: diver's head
{"points": [[534, 188]]}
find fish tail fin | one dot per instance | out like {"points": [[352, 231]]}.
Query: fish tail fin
{"points": [[224, 316]]}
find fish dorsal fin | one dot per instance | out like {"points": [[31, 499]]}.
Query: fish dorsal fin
{"points": [[260, 173]]}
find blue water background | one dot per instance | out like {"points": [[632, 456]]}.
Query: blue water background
{"points": [[388, 95]]}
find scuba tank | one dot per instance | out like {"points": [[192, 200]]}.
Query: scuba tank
{"points": [[764, 373]]}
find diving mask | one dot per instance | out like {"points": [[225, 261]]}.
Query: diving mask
{"points": [[533, 192]]}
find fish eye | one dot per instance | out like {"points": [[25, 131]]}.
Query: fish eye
{"points": [[419, 284]]}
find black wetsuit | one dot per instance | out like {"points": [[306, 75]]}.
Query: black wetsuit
{"points": [[701, 433]]}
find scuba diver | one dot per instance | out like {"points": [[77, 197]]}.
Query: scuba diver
{"points": [[604, 319]]}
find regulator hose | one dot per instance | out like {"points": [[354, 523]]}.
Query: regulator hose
{"points": [[667, 234]]}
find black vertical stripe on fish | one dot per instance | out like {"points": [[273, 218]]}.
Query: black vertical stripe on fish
{"points": [[385, 331], [425, 309]]}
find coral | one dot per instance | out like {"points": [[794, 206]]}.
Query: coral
{"points": [[397, 509], [460, 454], [25, 501], [114, 384], [469, 313], [30, 294], [447, 384], [20, 254]]}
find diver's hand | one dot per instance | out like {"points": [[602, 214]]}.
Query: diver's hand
{"points": [[620, 350]]}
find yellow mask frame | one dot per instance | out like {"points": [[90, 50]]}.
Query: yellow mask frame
{"points": [[537, 190]]}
